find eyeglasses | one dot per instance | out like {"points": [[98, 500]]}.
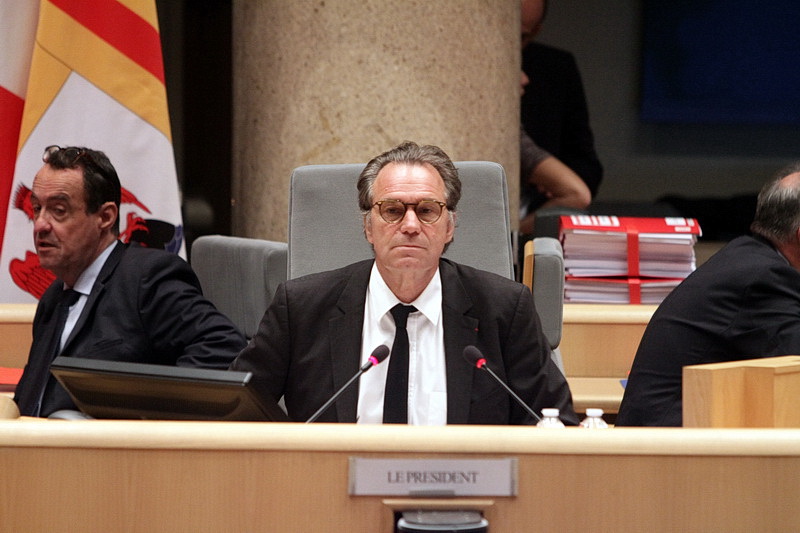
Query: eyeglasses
{"points": [[393, 211], [72, 154]]}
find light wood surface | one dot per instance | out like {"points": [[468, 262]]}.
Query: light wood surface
{"points": [[528, 260], [15, 333], [605, 393], [761, 392], [598, 344], [600, 340], [165, 476], [8, 409]]}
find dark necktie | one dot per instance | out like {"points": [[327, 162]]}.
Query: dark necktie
{"points": [[67, 300], [395, 399]]}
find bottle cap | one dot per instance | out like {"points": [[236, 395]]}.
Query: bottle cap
{"points": [[550, 411], [594, 411]]}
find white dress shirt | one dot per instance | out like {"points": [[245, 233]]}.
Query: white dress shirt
{"points": [[83, 285], [427, 380]]}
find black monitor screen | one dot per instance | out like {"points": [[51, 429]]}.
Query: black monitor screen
{"points": [[123, 390]]}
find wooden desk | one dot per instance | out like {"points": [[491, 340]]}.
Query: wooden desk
{"points": [[16, 321], [762, 392], [598, 344], [600, 340], [605, 393], [99, 476]]}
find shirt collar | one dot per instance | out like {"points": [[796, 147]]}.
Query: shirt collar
{"points": [[86, 280], [429, 303]]}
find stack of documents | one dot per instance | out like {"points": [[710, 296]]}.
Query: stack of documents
{"points": [[611, 259]]}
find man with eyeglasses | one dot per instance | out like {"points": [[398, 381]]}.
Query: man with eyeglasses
{"points": [[110, 300], [321, 328]]}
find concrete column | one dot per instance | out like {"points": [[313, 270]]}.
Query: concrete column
{"points": [[340, 81]]}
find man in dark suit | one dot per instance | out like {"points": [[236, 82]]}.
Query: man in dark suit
{"points": [[321, 328], [553, 108], [742, 303], [111, 300]]}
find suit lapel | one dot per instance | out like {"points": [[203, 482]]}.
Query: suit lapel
{"points": [[43, 346], [345, 332], [460, 330], [97, 289]]}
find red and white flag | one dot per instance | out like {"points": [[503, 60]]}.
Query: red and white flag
{"points": [[95, 78]]}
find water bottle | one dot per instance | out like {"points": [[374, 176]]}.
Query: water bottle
{"points": [[594, 419], [550, 419]]}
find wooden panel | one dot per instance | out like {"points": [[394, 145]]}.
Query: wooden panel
{"points": [[15, 333], [605, 393], [163, 476], [600, 340], [762, 392], [598, 345]]}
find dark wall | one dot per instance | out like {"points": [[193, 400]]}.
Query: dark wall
{"points": [[196, 41]]}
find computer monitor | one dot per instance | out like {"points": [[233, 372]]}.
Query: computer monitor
{"points": [[124, 390]]}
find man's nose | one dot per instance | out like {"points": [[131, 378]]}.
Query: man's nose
{"points": [[41, 223], [410, 222]]}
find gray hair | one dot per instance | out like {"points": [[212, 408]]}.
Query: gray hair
{"points": [[777, 215], [412, 154]]}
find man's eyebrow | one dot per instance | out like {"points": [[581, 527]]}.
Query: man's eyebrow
{"points": [[426, 199], [60, 197]]}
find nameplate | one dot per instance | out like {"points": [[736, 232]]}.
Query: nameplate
{"points": [[433, 477]]}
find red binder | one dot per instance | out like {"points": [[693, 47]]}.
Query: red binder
{"points": [[9, 377], [626, 259]]}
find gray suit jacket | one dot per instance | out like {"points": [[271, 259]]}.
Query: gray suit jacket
{"points": [[309, 344]]}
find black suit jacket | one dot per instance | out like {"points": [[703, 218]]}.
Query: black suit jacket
{"points": [[146, 306], [309, 344], [554, 111], [743, 303]]}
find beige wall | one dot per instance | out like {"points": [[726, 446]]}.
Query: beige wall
{"points": [[340, 81]]}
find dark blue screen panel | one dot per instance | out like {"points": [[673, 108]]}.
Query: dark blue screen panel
{"points": [[721, 62]]}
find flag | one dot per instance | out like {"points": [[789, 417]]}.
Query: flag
{"points": [[96, 79], [17, 31]]}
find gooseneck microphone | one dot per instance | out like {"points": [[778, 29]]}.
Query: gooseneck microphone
{"points": [[475, 357], [377, 356]]}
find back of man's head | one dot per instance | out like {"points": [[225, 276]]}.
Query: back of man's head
{"points": [[777, 215], [532, 14]]}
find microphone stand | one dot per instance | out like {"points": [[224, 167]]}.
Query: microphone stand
{"points": [[378, 354]]}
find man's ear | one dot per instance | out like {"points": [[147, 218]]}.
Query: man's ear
{"points": [[108, 215], [368, 228], [451, 226]]}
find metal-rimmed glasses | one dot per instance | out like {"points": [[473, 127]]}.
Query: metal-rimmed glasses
{"points": [[393, 211]]}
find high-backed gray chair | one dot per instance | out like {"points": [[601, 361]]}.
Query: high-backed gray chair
{"points": [[326, 229], [239, 275]]}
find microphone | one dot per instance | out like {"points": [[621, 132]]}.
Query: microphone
{"points": [[377, 356], [475, 357]]}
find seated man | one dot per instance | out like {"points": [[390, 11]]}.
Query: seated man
{"points": [[120, 302], [741, 304], [321, 328], [546, 182], [554, 109]]}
